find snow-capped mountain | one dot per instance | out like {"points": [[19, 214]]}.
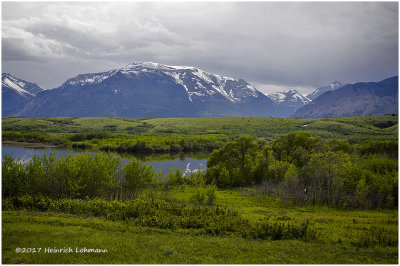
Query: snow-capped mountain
{"points": [[290, 96], [288, 102], [151, 90], [16, 93], [197, 83], [321, 90]]}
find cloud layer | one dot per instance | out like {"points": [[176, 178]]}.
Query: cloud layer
{"points": [[286, 44]]}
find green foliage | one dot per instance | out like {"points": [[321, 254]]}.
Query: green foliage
{"points": [[176, 177], [307, 170], [135, 175], [78, 176], [326, 177], [167, 215], [389, 148], [235, 158], [31, 137], [218, 175], [294, 147], [13, 177], [88, 136], [204, 195], [377, 236], [127, 244], [190, 134]]}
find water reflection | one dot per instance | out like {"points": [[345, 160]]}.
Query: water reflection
{"points": [[160, 162]]}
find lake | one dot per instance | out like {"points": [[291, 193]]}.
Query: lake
{"points": [[160, 162]]}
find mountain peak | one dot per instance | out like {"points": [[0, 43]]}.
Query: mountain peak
{"points": [[148, 89], [292, 91], [137, 66], [288, 101], [19, 86], [16, 93], [197, 83], [335, 84], [321, 90], [362, 98], [5, 75]]}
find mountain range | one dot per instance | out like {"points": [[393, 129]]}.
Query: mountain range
{"points": [[362, 98], [143, 90], [147, 90]]}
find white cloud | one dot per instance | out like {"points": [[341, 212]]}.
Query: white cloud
{"points": [[291, 44]]}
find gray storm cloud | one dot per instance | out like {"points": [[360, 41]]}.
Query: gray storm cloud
{"points": [[300, 44]]}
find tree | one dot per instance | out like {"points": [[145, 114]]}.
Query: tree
{"points": [[295, 147], [135, 175], [238, 158], [14, 182]]}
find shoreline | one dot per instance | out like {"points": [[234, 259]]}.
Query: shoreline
{"points": [[7, 143]]}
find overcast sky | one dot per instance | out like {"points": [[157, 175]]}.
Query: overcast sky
{"points": [[273, 45]]}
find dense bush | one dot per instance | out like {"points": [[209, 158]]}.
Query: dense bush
{"points": [[32, 137], [85, 175], [167, 215], [89, 136], [79, 176], [237, 158]]}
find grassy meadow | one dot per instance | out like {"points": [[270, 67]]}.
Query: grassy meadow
{"points": [[275, 191], [337, 241], [166, 135]]}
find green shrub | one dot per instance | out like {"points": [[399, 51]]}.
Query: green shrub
{"points": [[203, 195], [212, 220]]}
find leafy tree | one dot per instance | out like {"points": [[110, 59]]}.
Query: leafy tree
{"points": [[14, 180], [295, 147], [238, 158], [134, 176], [389, 148]]}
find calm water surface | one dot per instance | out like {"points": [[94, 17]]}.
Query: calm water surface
{"points": [[161, 162]]}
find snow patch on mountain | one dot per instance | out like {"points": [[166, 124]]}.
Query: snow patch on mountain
{"points": [[14, 86], [288, 96], [25, 89], [321, 90], [90, 78], [197, 83]]}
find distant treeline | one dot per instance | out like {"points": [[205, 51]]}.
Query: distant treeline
{"points": [[164, 143], [171, 135]]}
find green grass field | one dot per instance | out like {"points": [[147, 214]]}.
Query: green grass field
{"points": [[382, 126], [337, 234]]}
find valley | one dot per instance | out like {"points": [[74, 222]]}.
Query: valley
{"points": [[164, 135], [272, 191], [198, 132]]}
